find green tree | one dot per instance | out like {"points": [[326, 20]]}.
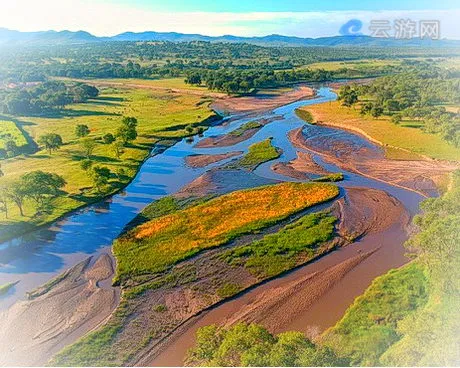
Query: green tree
{"points": [[127, 132], [11, 148], [81, 130], [88, 145], [117, 148], [51, 142], [100, 176], [86, 164], [376, 111], [108, 138], [41, 186], [17, 194], [4, 201], [396, 118]]}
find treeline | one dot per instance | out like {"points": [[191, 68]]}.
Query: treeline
{"points": [[169, 59], [44, 97], [235, 81], [417, 94]]}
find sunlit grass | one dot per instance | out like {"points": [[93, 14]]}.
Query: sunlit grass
{"points": [[162, 242], [161, 115], [384, 131], [9, 130]]}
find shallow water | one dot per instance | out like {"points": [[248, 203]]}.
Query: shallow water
{"points": [[34, 258]]}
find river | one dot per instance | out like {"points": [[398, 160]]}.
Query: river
{"points": [[35, 258]]}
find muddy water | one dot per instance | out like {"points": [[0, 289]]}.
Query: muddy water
{"points": [[36, 257]]}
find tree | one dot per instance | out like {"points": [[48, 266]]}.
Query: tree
{"points": [[11, 148], [86, 164], [88, 145], [117, 148], [108, 138], [40, 186], [17, 193], [376, 111], [51, 141], [348, 95], [81, 130], [396, 118], [4, 201], [189, 128], [100, 176], [127, 131]]}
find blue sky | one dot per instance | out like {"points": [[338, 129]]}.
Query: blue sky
{"points": [[212, 17], [286, 5]]}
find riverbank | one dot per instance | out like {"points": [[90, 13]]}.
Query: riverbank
{"points": [[175, 113], [399, 142]]}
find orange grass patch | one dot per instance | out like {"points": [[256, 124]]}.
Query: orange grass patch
{"points": [[162, 242]]}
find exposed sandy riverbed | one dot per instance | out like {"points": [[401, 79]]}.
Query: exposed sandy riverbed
{"points": [[79, 300], [235, 105]]}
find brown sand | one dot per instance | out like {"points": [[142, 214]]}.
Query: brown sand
{"points": [[419, 176], [279, 306], [72, 305], [235, 105], [205, 160], [300, 167]]}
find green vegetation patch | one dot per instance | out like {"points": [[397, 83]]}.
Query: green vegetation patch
{"points": [[258, 153], [245, 127], [228, 290], [280, 251], [305, 115], [9, 132], [160, 243], [251, 345], [330, 178], [369, 326]]}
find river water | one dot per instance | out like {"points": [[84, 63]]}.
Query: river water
{"points": [[36, 257]]}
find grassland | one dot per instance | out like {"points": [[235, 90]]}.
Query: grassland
{"points": [[160, 243], [369, 326], [281, 251], [238, 132], [258, 153], [9, 131], [399, 141], [162, 117], [353, 64]]}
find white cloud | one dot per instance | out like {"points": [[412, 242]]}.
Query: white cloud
{"points": [[103, 19]]}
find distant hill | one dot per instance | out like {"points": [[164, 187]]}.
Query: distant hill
{"points": [[67, 37]]}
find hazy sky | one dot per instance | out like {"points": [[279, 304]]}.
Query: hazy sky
{"points": [[212, 17]]}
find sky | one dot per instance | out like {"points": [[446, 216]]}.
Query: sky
{"points": [[302, 18]]}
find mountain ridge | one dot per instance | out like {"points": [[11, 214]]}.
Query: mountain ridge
{"points": [[8, 37]]}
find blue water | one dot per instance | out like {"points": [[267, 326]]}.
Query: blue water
{"points": [[36, 257]]}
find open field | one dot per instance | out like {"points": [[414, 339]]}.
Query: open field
{"points": [[162, 115], [9, 131], [353, 64], [160, 243], [385, 133]]}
